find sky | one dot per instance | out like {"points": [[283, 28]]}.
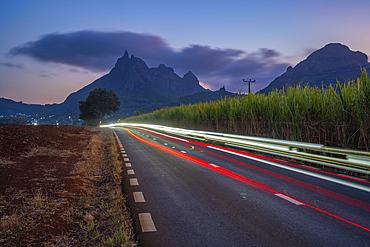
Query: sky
{"points": [[49, 49]]}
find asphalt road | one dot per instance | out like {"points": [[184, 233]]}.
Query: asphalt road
{"points": [[184, 193]]}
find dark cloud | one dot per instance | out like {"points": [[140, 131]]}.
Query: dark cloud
{"points": [[268, 53], [98, 51], [11, 65], [92, 50]]}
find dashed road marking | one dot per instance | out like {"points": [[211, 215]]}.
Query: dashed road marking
{"points": [[124, 155], [138, 197], [130, 172], [289, 199], [134, 182], [128, 164], [126, 159], [243, 196], [146, 222], [213, 165]]}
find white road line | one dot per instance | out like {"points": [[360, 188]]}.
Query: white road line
{"points": [[126, 159], [172, 137], [289, 199], [130, 172], [146, 222], [309, 173], [124, 155], [123, 151], [165, 144], [134, 182], [138, 197], [128, 164], [213, 165], [183, 152]]}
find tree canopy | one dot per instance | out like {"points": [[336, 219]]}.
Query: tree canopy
{"points": [[98, 104]]}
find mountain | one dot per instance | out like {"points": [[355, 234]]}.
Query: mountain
{"points": [[323, 67], [135, 84], [138, 86], [203, 97], [10, 107]]}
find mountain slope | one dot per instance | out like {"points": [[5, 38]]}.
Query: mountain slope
{"points": [[323, 67], [135, 84], [206, 96], [138, 86]]}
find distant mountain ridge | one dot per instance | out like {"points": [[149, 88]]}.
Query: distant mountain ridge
{"points": [[323, 67], [203, 97], [135, 84], [144, 89]]}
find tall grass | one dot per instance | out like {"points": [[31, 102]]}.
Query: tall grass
{"points": [[337, 116]]}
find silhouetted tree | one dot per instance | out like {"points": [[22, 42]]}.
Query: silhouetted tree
{"points": [[99, 103]]}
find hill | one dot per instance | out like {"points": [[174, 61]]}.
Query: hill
{"points": [[138, 86], [135, 84], [206, 96], [323, 67]]}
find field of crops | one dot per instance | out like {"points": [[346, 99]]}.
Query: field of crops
{"points": [[336, 116]]}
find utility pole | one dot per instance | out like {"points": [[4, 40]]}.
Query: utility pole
{"points": [[249, 83]]}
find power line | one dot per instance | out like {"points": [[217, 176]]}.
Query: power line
{"points": [[249, 83]]}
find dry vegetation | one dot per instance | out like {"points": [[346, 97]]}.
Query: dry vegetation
{"points": [[61, 186]]}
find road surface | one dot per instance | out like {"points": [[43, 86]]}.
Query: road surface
{"points": [[186, 193]]}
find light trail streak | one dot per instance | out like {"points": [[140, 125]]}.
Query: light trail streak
{"points": [[236, 177], [333, 195]]}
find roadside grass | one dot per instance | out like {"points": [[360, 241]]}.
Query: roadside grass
{"points": [[106, 220], [49, 151], [95, 214]]}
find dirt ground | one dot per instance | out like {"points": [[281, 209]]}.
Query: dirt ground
{"points": [[42, 194]]}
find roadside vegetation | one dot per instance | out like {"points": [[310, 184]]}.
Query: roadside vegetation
{"points": [[107, 222], [63, 188], [337, 116]]}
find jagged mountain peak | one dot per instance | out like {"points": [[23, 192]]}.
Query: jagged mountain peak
{"points": [[138, 85], [164, 68], [190, 74]]}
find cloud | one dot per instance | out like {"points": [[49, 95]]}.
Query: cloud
{"points": [[98, 51], [11, 65]]}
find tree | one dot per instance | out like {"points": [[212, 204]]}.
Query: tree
{"points": [[99, 103]]}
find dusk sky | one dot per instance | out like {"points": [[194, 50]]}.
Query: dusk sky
{"points": [[49, 49]]}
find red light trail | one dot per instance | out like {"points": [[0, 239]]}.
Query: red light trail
{"points": [[235, 176]]}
